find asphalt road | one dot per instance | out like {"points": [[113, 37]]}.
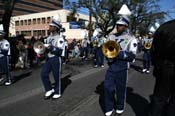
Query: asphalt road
{"points": [[82, 88]]}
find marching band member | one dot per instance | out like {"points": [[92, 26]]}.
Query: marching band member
{"points": [[4, 59], [55, 50], [99, 57], [147, 43], [117, 73]]}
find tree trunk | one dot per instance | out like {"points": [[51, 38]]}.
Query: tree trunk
{"points": [[8, 7]]}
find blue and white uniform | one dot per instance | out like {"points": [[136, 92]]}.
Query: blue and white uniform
{"points": [[117, 73], [147, 54], [4, 58], [99, 57], [53, 62]]}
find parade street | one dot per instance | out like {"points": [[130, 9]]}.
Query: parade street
{"points": [[82, 92]]}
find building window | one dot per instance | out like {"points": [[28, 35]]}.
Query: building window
{"points": [[17, 23], [17, 33], [35, 33], [48, 20], [43, 20], [39, 33], [38, 20], [34, 21], [26, 33], [21, 22], [25, 22], [29, 22]]}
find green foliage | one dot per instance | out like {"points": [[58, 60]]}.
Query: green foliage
{"points": [[144, 13]]}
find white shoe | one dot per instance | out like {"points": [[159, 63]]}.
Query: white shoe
{"points": [[119, 111], [56, 96], [143, 70], [102, 66], [147, 71], [8, 83], [109, 113], [95, 66], [48, 94]]}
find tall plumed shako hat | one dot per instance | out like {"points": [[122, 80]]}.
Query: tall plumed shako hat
{"points": [[1, 30], [56, 21], [124, 13], [124, 20]]}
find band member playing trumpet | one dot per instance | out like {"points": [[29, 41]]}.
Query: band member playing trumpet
{"points": [[55, 49], [147, 44], [117, 73], [98, 54]]}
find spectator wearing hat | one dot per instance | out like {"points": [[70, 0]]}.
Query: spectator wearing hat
{"points": [[117, 73], [4, 57], [55, 50], [147, 45]]}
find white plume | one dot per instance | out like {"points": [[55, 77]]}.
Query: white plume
{"points": [[124, 10]]}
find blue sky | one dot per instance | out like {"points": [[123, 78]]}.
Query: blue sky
{"points": [[168, 5], [165, 5]]}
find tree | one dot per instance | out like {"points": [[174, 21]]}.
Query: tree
{"points": [[7, 6], [144, 13], [104, 12]]}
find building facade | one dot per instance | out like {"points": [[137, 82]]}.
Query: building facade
{"points": [[23, 7], [37, 24]]}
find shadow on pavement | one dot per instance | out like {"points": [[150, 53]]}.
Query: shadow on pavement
{"points": [[22, 76], [100, 90], [137, 102], [65, 81], [135, 67], [139, 59]]}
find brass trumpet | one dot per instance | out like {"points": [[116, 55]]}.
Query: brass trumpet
{"points": [[111, 49]]}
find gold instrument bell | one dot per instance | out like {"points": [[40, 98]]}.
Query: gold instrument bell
{"points": [[95, 44], [111, 49], [147, 45]]}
